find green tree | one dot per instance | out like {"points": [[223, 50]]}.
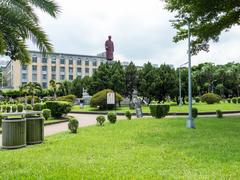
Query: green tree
{"points": [[77, 87], [208, 18], [86, 82], [19, 22], [54, 85], [32, 88], [130, 80]]}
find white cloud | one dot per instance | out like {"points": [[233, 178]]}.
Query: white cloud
{"points": [[140, 29]]}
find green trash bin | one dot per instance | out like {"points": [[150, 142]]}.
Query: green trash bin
{"points": [[35, 127], [13, 131]]}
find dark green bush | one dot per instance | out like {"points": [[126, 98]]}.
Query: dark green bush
{"points": [[234, 100], [20, 107], [28, 107], [73, 125], [112, 117], [101, 120], [14, 108], [229, 100], [45, 99], [100, 100], [197, 99], [219, 114], [39, 106], [159, 110], [194, 113], [211, 98], [4, 108], [58, 108], [238, 100], [8, 108], [69, 98], [128, 115], [46, 113]]}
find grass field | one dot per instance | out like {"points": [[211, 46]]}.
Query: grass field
{"points": [[174, 108], [136, 149]]}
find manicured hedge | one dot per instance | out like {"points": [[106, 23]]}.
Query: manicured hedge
{"points": [[69, 98], [39, 106], [234, 100], [211, 98], [46, 113], [159, 110], [58, 108]]}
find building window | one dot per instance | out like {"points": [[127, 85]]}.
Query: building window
{"points": [[34, 68], [53, 68], [95, 63], [79, 70], [44, 77], [62, 61], [44, 68], [70, 70], [24, 67], [79, 62], [53, 76], [70, 77], [87, 70], [44, 85], [44, 60], [62, 69], [87, 63], [24, 77], [34, 77], [53, 60], [62, 77], [70, 61], [34, 59]]}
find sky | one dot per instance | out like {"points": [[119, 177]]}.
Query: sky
{"points": [[140, 29]]}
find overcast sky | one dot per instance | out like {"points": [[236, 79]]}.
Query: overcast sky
{"points": [[140, 30]]}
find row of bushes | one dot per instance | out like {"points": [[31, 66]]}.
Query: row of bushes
{"points": [[234, 100]]}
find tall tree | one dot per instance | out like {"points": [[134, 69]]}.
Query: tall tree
{"points": [[54, 85], [208, 18], [77, 87], [32, 88], [130, 80], [19, 22]]}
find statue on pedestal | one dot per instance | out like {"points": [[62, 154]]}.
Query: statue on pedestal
{"points": [[109, 47]]}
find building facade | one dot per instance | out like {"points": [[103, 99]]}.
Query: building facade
{"points": [[55, 66]]}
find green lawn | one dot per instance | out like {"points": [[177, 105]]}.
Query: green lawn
{"points": [[137, 149], [174, 108]]}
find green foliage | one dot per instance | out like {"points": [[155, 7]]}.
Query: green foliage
{"points": [[112, 117], [159, 110], [4, 108], [73, 125], [194, 113], [20, 107], [197, 99], [77, 87], [58, 108], [234, 100], [210, 98], [46, 113], [8, 107], [69, 98], [39, 106], [219, 114], [128, 115], [100, 99], [14, 108], [229, 100], [11, 93], [238, 100], [28, 107], [101, 120]]}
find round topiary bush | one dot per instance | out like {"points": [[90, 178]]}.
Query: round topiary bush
{"points": [[194, 113], [219, 114], [229, 100], [112, 117], [211, 98], [28, 107], [234, 100], [101, 120], [128, 115], [159, 110], [46, 114], [20, 108], [73, 125], [238, 100], [58, 108], [39, 106], [14, 108], [197, 99], [100, 100]]}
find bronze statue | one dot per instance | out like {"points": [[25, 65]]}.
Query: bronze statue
{"points": [[109, 46]]}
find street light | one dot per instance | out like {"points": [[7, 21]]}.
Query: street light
{"points": [[190, 123], [180, 83]]}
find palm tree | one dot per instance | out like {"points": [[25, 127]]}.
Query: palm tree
{"points": [[55, 86], [19, 22], [32, 88]]}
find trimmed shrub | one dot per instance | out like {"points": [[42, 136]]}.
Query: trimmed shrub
{"points": [[219, 114], [8, 108], [229, 100], [14, 108], [4, 108], [28, 107], [73, 125], [211, 98], [101, 120], [112, 117], [100, 100], [45, 99], [69, 98], [46, 113], [234, 100], [39, 106], [58, 108], [128, 115], [159, 110], [197, 99], [194, 113], [238, 100], [20, 108]]}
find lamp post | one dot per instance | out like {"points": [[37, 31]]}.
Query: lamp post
{"points": [[180, 84], [190, 123]]}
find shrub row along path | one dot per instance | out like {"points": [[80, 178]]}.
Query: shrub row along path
{"points": [[85, 120]]}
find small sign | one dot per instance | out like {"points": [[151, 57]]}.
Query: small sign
{"points": [[111, 98]]}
